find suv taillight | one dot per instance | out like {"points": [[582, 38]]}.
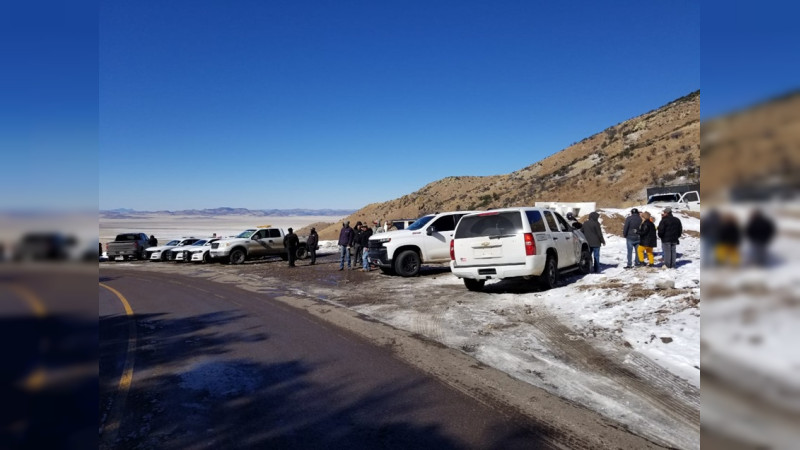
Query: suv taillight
{"points": [[452, 251], [530, 245]]}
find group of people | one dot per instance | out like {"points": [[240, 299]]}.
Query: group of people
{"points": [[722, 237], [641, 237], [354, 244]]}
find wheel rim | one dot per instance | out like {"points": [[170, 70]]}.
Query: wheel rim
{"points": [[551, 273], [206, 257], [410, 264], [237, 257], [585, 261]]}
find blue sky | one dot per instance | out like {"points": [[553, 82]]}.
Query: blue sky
{"points": [[265, 104]]}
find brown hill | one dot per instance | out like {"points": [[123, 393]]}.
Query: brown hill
{"points": [[611, 168]]}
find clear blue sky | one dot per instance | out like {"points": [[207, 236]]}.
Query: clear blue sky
{"points": [[266, 104]]}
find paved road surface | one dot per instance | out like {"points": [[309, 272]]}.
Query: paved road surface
{"points": [[187, 363]]}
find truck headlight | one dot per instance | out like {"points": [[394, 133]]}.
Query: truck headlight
{"points": [[384, 240]]}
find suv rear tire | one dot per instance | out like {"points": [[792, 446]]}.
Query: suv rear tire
{"points": [[474, 285], [549, 277], [585, 263], [407, 264]]}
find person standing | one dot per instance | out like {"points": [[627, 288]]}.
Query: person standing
{"points": [[594, 237], [152, 242], [311, 244], [346, 236], [760, 231], [647, 240], [669, 230], [729, 237], [631, 232], [365, 247], [291, 242], [710, 225], [356, 250]]}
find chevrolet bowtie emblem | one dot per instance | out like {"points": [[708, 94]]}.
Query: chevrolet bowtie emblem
{"points": [[484, 244]]}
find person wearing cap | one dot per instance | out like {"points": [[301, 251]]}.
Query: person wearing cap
{"points": [[631, 232], [669, 231], [346, 236], [291, 242], [573, 221], [311, 244]]}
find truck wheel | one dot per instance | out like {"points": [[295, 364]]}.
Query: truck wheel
{"points": [[474, 285], [301, 253], [164, 256], [237, 256], [407, 264], [585, 263], [549, 277]]}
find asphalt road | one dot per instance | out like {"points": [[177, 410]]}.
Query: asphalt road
{"points": [[186, 363]]}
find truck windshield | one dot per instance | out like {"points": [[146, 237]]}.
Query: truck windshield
{"points": [[419, 223], [245, 234]]}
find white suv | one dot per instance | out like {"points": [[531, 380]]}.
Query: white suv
{"points": [[516, 242]]}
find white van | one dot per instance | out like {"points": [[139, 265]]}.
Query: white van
{"points": [[516, 242]]}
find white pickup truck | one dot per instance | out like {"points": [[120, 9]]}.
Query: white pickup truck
{"points": [[425, 241], [255, 243], [688, 200]]}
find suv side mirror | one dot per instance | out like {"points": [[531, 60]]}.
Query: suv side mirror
{"points": [[431, 230]]}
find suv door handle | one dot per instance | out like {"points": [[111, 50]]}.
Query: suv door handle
{"points": [[567, 237], [555, 238]]}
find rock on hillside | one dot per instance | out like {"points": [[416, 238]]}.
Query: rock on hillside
{"points": [[612, 168]]}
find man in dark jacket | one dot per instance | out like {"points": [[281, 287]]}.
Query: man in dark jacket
{"points": [[631, 232], [291, 242], [346, 237], [594, 237], [760, 230], [311, 244], [669, 230], [152, 242]]}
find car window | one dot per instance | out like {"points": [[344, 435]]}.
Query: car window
{"points": [[536, 221], [690, 197], [175, 242], [563, 225], [444, 223], [245, 234], [419, 223], [551, 222], [274, 233], [489, 224]]}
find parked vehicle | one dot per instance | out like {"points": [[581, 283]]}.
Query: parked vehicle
{"points": [[402, 224], [687, 200], [127, 246], [516, 242], [201, 253], [181, 252], [255, 243], [425, 241], [164, 252]]}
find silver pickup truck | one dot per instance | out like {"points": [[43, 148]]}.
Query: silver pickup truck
{"points": [[127, 246], [255, 243]]}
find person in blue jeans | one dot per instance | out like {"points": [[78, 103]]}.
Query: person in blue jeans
{"points": [[631, 232], [594, 237], [346, 236]]}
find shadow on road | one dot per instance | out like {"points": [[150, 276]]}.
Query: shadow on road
{"points": [[193, 389]]}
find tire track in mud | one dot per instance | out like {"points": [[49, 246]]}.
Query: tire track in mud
{"points": [[673, 396]]}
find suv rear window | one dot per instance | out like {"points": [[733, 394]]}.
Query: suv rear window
{"points": [[536, 221], [489, 224]]}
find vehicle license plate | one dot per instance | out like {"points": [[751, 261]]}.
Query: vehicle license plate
{"points": [[486, 252]]}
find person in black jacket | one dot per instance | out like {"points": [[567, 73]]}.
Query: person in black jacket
{"points": [[152, 242], [594, 237], [669, 230], [291, 242], [729, 237], [647, 239], [630, 230], [311, 244], [760, 231]]}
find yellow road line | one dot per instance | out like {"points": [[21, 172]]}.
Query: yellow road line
{"points": [[113, 419], [33, 301]]}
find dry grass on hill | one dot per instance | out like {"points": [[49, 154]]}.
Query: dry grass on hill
{"points": [[612, 168]]}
